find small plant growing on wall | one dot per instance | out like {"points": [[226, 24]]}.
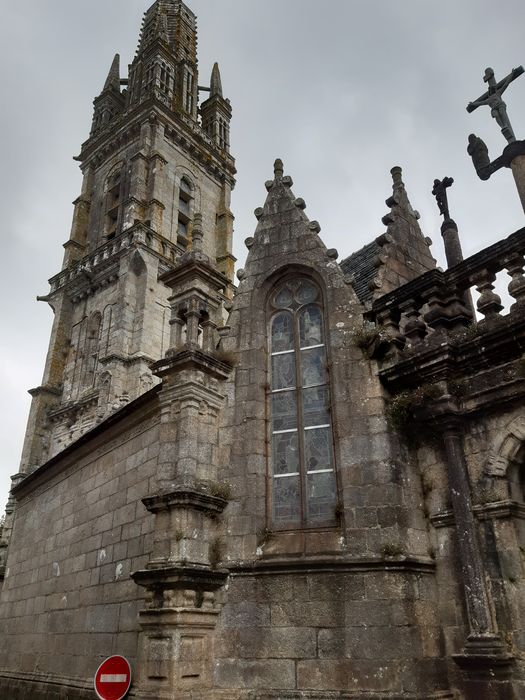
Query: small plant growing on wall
{"points": [[220, 489], [400, 409], [392, 549]]}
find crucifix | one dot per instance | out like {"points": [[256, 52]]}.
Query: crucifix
{"points": [[492, 98], [440, 193]]}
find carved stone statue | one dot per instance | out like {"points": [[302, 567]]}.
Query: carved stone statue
{"points": [[478, 151], [440, 193], [492, 98]]}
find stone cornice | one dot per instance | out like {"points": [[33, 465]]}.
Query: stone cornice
{"points": [[195, 359], [126, 359]]}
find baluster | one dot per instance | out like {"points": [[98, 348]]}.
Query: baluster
{"points": [[415, 327], [388, 322], [517, 284], [489, 303], [446, 309]]}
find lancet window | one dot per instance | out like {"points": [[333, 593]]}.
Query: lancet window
{"points": [[184, 218], [301, 455], [188, 102]]}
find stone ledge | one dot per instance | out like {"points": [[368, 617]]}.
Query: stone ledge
{"points": [[169, 576], [194, 358], [487, 511], [331, 564]]}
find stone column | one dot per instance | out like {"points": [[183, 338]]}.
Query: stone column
{"points": [[518, 170], [453, 252], [484, 651]]}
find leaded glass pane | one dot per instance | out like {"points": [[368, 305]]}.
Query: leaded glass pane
{"points": [[306, 292], [317, 449], [287, 499], [320, 492], [283, 371], [285, 453], [283, 298], [310, 326], [282, 332], [284, 410], [312, 367], [315, 406]]}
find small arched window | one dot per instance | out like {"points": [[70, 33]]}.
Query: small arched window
{"points": [[112, 189], [184, 218], [301, 455]]}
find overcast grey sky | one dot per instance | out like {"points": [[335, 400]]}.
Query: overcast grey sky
{"points": [[341, 90]]}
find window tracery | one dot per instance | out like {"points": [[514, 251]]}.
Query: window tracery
{"points": [[301, 455]]}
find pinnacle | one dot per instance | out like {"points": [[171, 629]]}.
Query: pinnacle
{"points": [[399, 197], [215, 83], [113, 79]]}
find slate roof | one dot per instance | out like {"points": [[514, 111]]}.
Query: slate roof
{"points": [[361, 265]]}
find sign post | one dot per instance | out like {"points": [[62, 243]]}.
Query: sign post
{"points": [[113, 678]]}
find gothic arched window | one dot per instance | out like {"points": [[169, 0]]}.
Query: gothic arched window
{"points": [[301, 454]]}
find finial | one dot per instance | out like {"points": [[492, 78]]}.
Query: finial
{"points": [[396, 173], [278, 169], [197, 234], [215, 82]]}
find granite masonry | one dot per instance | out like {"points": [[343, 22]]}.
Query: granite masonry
{"points": [[306, 486]]}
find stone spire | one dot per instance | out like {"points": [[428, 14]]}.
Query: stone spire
{"points": [[113, 79], [110, 103], [215, 83], [216, 112]]}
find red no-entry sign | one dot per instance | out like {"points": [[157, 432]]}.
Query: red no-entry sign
{"points": [[113, 678]]}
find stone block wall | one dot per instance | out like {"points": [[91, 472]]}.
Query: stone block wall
{"points": [[369, 631], [81, 529]]}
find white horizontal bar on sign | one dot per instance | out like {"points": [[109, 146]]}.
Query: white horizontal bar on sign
{"points": [[314, 427], [320, 471], [114, 678], [281, 476], [288, 430]]}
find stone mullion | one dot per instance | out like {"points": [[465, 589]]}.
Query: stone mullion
{"points": [[300, 422]]}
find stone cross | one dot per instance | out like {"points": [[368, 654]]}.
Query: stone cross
{"points": [[440, 193], [492, 98]]}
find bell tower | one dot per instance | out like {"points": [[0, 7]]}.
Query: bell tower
{"points": [[151, 163]]}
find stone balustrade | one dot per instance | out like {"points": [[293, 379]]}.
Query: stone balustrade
{"points": [[137, 234], [441, 301]]}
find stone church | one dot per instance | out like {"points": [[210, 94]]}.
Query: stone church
{"points": [[308, 483]]}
